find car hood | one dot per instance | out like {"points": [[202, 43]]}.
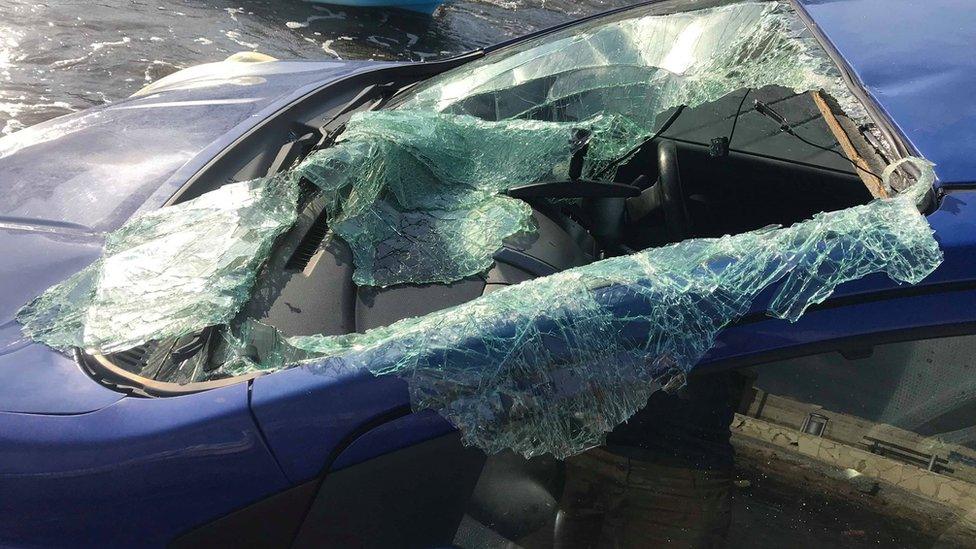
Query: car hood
{"points": [[68, 181], [33, 377]]}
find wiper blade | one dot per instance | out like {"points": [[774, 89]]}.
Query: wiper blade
{"points": [[385, 91]]}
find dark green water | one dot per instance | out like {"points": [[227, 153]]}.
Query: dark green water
{"points": [[64, 55]]}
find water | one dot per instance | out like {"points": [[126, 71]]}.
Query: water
{"points": [[65, 55]]}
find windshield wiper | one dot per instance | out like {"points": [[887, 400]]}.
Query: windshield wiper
{"points": [[385, 92]]}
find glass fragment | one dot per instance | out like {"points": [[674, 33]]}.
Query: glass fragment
{"points": [[167, 273]]}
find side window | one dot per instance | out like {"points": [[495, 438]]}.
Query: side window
{"points": [[875, 444]]}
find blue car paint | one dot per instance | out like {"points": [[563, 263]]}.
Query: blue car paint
{"points": [[391, 436], [927, 315], [915, 59], [55, 172], [35, 378], [308, 411], [147, 469], [137, 472]]}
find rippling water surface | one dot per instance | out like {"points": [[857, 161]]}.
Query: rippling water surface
{"points": [[65, 55]]}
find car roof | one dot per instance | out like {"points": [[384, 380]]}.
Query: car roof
{"points": [[915, 60]]}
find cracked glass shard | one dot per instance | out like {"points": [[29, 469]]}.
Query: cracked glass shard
{"points": [[416, 194], [552, 364], [410, 186], [167, 273]]}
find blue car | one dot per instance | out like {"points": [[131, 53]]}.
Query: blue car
{"points": [[855, 425]]}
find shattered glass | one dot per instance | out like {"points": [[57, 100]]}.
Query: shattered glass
{"points": [[415, 191], [552, 364], [167, 273], [640, 65], [416, 194]]}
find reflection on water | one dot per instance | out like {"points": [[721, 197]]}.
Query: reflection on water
{"points": [[60, 57]]}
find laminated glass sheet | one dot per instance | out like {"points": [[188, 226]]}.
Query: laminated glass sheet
{"points": [[167, 273]]}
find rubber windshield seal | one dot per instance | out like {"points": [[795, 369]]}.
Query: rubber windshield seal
{"points": [[103, 370]]}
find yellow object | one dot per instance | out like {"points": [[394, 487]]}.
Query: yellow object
{"points": [[208, 69], [249, 57]]}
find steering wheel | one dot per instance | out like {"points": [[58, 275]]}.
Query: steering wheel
{"points": [[671, 196]]}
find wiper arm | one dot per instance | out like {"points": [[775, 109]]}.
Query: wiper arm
{"points": [[384, 90]]}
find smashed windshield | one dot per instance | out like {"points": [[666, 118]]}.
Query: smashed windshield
{"points": [[407, 182], [552, 364], [545, 143], [638, 65]]}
